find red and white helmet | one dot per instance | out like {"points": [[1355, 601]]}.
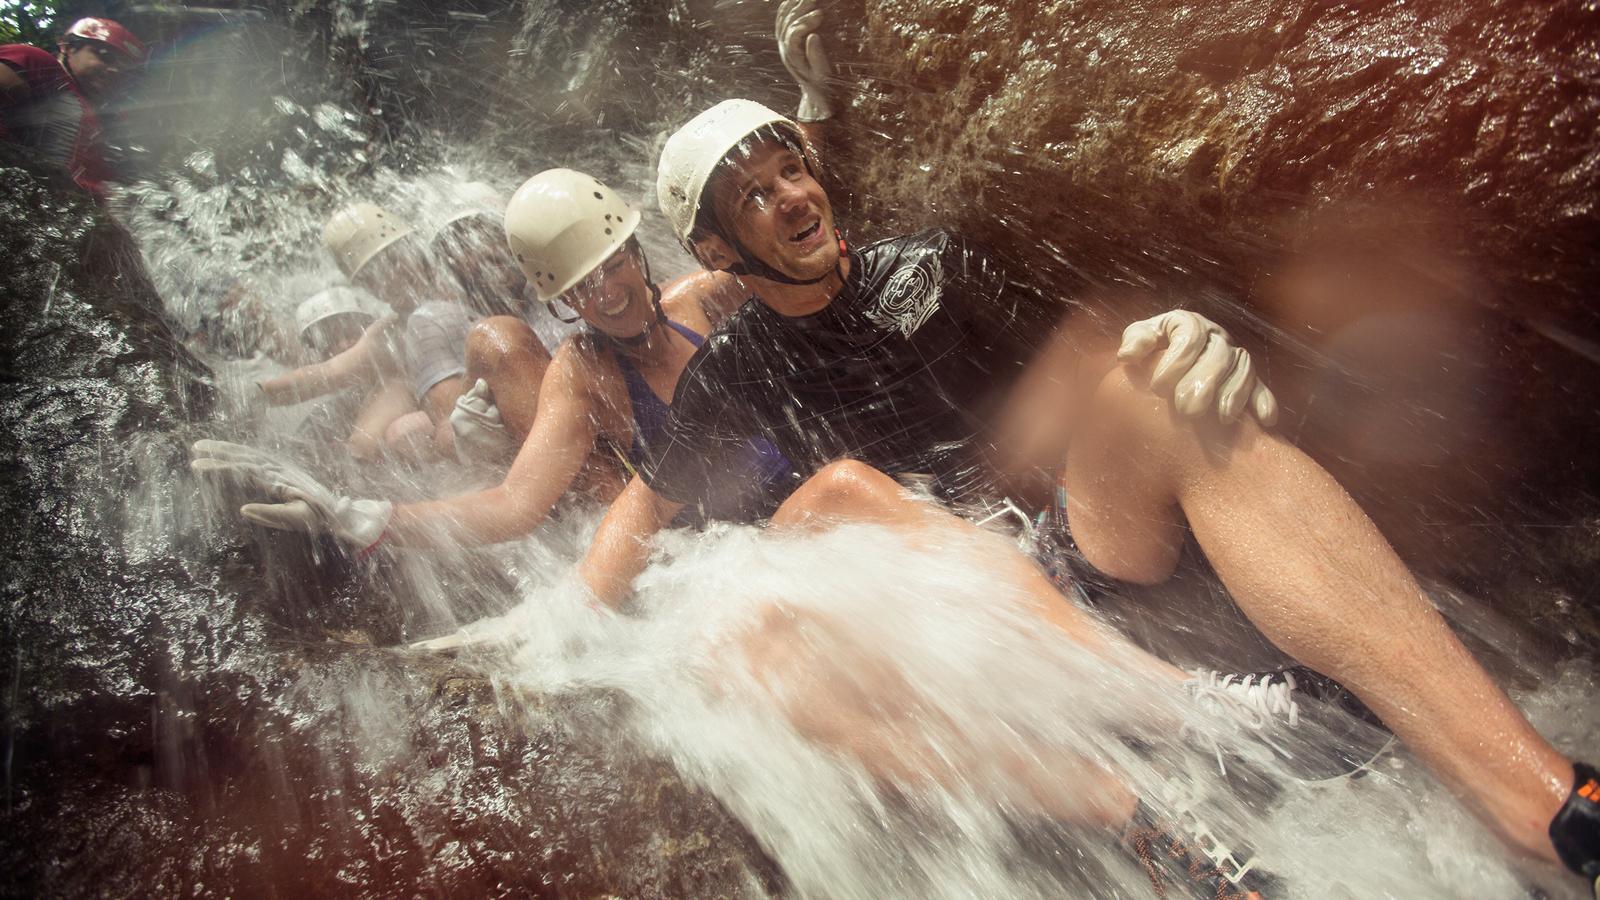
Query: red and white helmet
{"points": [[110, 33]]}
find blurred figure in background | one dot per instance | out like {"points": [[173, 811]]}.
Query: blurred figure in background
{"points": [[329, 323], [47, 103], [332, 321], [473, 267], [371, 247]]}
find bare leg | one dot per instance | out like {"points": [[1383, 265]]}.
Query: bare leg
{"points": [[391, 401], [846, 696], [410, 436], [849, 491], [505, 352], [1313, 573]]}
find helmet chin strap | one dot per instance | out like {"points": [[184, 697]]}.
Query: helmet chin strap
{"points": [[751, 267]]}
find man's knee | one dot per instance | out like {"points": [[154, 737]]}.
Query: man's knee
{"points": [[842, 488], [849, 481], [409, 433], [1147, 429], [498, 339]]}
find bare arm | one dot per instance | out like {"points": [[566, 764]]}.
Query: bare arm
{"points": [[562, 437], [621, 546], [368, 362], [12, 88], [718, 294]]}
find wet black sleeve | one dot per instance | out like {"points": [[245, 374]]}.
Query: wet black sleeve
{"points": [[705, 439]]}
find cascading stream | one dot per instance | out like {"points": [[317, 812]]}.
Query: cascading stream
{"points": [[196, 706]]}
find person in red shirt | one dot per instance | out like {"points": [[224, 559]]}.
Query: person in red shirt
{"points": [[46, 102]]}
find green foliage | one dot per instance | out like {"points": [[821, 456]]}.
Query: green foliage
{"points": [[29, 22]]}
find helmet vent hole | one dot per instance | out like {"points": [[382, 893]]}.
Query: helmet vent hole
{"points": [[608, 231], [598, 196]]}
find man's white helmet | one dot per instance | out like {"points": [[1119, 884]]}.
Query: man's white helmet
{"points": [[359, 232], [323, 305], [561, 225], [692, 153], [470, 198]]}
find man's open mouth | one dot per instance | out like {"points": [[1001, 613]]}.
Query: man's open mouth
{"points": [[807, 233]]}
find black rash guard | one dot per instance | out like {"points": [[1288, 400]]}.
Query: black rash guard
{"points": [[897, 371]]}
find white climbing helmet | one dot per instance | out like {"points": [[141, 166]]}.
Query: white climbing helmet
{"points": [[470, 198], [359, 232], [324, 305], [692, 153], [561, 225]]}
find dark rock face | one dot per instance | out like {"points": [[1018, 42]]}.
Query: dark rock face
{"points": [[1145, 120], [176, 723]]}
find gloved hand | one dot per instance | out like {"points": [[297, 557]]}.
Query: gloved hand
{"points": [[805, 57], [1201, 369], [293, 500], [480, 434]]}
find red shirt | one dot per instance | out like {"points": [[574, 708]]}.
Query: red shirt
{"points": [[53, 118]]}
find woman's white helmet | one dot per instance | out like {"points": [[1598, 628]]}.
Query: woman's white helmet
{"points": [[561, 225], [359, 232], [324, 305], [692, 153]]}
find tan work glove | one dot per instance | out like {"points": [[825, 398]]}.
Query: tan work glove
{"points": [[480, 434], [804, 56], [1201, 370], [292, 499]]}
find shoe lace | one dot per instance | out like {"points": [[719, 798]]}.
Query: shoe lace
{"points": [[1254, 701], [1260, 699]]}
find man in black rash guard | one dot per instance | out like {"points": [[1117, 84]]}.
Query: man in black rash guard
{"points": [[865, 365], [897, 371]]}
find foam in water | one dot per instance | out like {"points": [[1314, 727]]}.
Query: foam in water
{"points": [[958, 679]]}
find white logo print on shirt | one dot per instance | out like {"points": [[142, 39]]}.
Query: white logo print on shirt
{"points": [[906, 302]]}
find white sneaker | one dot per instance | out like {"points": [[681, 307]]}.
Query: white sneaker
{"points": [[1255, 700], [1341, 736]]}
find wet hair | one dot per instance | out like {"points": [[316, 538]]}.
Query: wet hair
{"points": [[706, 221], [467, 237]]}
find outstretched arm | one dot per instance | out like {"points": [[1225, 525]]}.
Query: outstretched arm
{"points": [[368, 361], [621, 546], [562, 437], [280, 495]]}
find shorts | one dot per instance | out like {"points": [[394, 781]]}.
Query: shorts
{"points": [[435, 345], [1044, 537]]}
